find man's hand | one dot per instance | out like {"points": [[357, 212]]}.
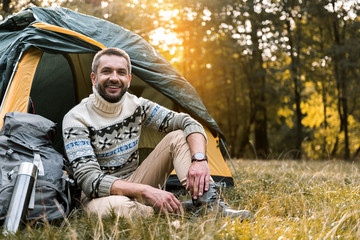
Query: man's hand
{"points": [[160, 199], [197, 178], [157, 198]]}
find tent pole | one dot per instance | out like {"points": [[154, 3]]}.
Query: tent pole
{"points": [[11, 78], [232, 163]]}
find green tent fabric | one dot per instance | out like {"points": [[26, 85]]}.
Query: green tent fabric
{"points": [[17, 35]]}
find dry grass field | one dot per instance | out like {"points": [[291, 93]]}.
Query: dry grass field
{"points": [[290, 200]]}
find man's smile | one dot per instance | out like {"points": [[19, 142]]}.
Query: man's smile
{"points": [[113, 86]]}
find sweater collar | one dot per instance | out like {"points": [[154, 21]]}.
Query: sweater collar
{"points": [[107, 107]]}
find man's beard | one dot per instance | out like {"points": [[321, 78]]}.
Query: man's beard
{"points": [[112, 99]]}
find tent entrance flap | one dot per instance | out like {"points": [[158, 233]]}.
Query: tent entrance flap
{"points": [[17, 97]]}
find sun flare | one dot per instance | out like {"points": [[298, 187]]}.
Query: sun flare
{"points": [[164, 37]]}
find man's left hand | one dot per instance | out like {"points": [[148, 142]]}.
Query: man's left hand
{"points": [[197, 178]]}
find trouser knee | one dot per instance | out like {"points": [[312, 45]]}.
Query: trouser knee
{"points": [[177, 134], [176, 138]]}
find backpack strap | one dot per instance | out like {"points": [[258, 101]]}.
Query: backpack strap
{"points": [[15, 141], [37, 161], [40, 171]]}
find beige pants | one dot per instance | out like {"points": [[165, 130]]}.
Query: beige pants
{"points": [[172, 152]]}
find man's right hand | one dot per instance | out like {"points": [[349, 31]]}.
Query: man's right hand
{"points": [[160, 199], [157, 198]]}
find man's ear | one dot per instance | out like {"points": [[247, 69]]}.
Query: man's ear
{"points": [[129, 79], [93, 78]]}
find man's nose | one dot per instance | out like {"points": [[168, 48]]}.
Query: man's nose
{"points": [[114, 75]]}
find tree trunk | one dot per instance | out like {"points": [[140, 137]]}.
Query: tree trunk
{"points": [[261, 139], [297, 85], [341, 80], [258, 87], [6, 6]]}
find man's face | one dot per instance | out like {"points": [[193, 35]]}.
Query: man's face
{"points": [[112, 78]]}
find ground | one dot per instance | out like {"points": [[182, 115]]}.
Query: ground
{"points": [[289, 199]]}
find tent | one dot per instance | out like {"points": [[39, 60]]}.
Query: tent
{"points": [[46, 54]]}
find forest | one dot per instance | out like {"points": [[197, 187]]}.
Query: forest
{"points": [[280, 77]]}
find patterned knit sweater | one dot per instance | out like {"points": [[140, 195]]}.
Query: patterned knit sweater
{"points": [[101, 138]]}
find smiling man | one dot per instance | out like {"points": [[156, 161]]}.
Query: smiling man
{"points": [[111, 77], [101, 136]]}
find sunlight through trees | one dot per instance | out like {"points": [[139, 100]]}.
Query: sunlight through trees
{"points": [[278, 76]]}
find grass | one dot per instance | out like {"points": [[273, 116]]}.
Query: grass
{"points": [[290, 200]]}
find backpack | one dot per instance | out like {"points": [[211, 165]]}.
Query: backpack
{"points": [[22, 136]]}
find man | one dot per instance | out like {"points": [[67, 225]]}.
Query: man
{"points": [[101, 136]]}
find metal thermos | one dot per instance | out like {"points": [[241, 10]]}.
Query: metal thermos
{"points": [[20, 197]]}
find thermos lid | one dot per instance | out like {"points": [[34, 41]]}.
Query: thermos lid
{"points": [[27, 168]]}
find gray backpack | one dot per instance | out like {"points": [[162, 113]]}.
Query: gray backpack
{"points": [[21, 136]]}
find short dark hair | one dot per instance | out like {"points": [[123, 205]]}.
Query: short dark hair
{"points": [[110, 51]]}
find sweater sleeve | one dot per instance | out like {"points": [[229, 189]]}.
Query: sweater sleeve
{"points": [[86, 169], [89, 177], [165, 120]]}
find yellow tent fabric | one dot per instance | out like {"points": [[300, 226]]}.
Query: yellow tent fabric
{"points": [[68, 32], [17, 98]]}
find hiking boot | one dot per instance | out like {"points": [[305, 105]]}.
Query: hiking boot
{"points": [[208, 197], [211, 202]]}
